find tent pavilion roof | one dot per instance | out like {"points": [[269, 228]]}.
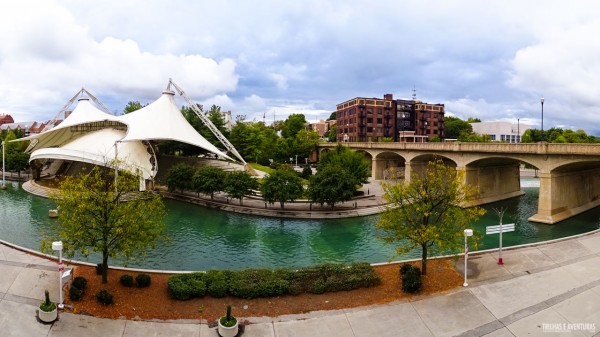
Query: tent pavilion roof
{"points": [[89, 135], [84, 118], [163, 120], [98, 148]]}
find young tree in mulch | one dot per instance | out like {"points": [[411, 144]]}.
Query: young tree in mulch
{"points": [[239, 184], [427, 212], [209, 180], [281, 186], [97, 216]]}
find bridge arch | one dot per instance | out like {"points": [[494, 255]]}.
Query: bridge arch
{"points": [[388, 165]]}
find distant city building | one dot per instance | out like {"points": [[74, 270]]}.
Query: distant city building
{"points": [[321, 127], [6, 119], [374, 119], [501, 131], [227, 119]]}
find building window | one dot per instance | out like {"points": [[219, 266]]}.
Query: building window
{"points": [[379, 120], [369, 120]]}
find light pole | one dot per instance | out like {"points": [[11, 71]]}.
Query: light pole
{"points": [[3, 169], [58, 246], [518, 130], [466, 233], [542, 101]]}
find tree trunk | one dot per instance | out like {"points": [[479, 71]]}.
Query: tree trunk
{"points": [[424, 259], [105, 266], [241, 201], [212, 196], [281, 203]]}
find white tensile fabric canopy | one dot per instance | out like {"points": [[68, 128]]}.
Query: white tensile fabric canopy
{"points": [[163, 120], [90, 135]]}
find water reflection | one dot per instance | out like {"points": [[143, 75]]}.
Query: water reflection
{"points": [[202, 238]]}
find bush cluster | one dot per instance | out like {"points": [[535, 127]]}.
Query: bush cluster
{"points": [[143, 280], [77, 289], [126, 280], [253, 283], [411, 278], [104, 297]]}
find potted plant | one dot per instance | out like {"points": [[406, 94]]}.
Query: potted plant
{"points": [[48, 312], [228, 325]]}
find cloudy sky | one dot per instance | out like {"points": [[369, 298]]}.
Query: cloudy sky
{"points": [[487, 59]]}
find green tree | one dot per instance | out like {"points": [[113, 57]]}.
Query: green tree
{"points": [[132, 106], [354, 162], [253, 140], [292, 125], [455, 126], [281, 186], [180, 177], [16, 158], [332, 116], [332, 134], [95, 216], [427, 212], [473, 120], [305, 143], [208, 180], [239, 184], [330, 185]]}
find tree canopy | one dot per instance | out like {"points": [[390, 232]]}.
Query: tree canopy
{"points": [[239, 184], [330, 185], [114, 221], [281, 186], [427, 213], [455, 126], [353, 162], [133, 106], [209, 180], [292, 125]]}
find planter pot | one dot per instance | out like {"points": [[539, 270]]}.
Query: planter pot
{"points": [[48, 316], [225, 331]]}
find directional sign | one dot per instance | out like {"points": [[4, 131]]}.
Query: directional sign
{"points": [[509, 227]]}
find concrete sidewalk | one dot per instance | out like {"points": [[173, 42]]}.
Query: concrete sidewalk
{"points": [[537, 292]]}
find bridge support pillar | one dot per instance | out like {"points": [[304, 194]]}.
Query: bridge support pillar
{"points": [[565, 194], [494, 183]]}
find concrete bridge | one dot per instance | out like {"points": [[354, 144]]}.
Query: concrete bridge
{"points": [[569, 173]]}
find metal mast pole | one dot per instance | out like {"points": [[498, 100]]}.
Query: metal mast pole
{"points": [[3, 167], [207, 122]]}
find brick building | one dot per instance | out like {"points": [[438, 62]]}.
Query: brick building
{"points": [[374, 119]]}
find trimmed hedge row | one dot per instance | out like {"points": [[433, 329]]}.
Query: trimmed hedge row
{"points": [[253, 283]]}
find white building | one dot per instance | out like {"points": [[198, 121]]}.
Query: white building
{"points": [[501, 131]]}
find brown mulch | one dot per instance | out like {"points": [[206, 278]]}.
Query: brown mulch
{"points": [[154, 302]]}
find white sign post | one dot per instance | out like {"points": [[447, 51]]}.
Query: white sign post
{"points": [[58, 246], [466, 233], [499, 230]]}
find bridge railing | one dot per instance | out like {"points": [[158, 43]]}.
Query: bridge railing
{"points": [[527, 148]]}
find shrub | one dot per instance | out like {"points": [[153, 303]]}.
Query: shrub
{"points": [[186, 286], [405, 267], [216, 283], [178, 287], [143, 280], [253, 283], [411, 279], [104, 297], [306, 172], [126, 280], [75, 294], [79, 282]]}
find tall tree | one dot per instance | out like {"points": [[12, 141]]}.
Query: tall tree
{"points": [[354, 162], [132, 106], [239, 184], [332, 134], [305, 143], [281, 186], [179, 177], [292, 125], [114, 220], [427, 212], [330, 185], [208, 180], [455, 126]]}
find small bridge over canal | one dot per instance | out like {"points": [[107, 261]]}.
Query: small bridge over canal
{"points": [[569, 173]]}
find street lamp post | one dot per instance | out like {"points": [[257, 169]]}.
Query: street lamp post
{"points": [[518, 130], [3, 168], [466, 233], [542, 101], [58, 246]]}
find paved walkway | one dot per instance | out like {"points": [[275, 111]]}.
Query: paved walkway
{"points": [[539, 288]]}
